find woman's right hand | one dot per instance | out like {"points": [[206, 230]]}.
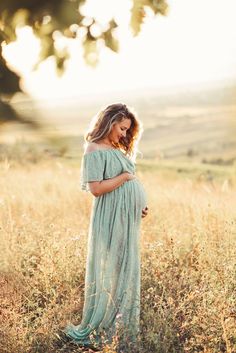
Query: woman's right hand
{"points": [[129, 176]]}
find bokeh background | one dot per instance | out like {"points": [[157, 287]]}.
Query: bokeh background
{"points": [[178, 72]]}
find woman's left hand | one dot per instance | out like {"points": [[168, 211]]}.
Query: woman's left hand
{"points": [[144, 212]]}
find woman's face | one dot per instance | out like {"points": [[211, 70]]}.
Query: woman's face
{"points": [[119, 130]]}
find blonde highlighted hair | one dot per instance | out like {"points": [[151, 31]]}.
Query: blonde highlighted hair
{"points": [[103, 122]]}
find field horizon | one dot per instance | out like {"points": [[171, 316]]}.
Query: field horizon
{"points": [[197, 122]]}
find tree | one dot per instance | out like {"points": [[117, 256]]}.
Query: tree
{"points": [[50, 18]]}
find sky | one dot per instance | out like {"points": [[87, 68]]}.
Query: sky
{"points": [[195, 43]]}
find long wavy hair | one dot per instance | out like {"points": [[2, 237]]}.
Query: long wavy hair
{"points": [[102, 123]]}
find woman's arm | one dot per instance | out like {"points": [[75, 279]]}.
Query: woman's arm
{"points": [[99, 188]]}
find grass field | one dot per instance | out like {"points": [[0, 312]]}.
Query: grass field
{"points": [[188, 253], [188, 239]]}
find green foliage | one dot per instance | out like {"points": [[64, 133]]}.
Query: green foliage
{"points": [[60, 18], [64, 17], [138, 12]]}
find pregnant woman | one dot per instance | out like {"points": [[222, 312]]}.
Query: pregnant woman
{"points": [[112, 280]]}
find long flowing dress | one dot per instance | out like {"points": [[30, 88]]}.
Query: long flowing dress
{"points": [[112, 279]]}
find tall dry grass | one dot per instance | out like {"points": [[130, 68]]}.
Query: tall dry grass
{"points": [[188, 248]]}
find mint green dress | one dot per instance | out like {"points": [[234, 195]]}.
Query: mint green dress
{"points": [[112, 279]]}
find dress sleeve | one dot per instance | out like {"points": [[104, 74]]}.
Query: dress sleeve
{"points": [[92, 169]]}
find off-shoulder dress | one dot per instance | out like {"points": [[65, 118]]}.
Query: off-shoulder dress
{"points": [[112, 279]]}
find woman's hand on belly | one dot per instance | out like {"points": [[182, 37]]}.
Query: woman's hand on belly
{"points": [[129, 176], [99, 188]]}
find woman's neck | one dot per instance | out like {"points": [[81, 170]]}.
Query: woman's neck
{"points": [[106, 142]]}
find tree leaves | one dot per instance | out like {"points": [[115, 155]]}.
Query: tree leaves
{"points": [[62, 17], [137, 15], [45, 17], [138, 12], [110, 40]]}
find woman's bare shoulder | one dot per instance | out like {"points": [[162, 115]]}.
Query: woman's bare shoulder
{"points": [[91, 146]]}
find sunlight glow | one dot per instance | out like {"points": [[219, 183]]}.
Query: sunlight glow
{"points": [[23, 53], [196, 42]]}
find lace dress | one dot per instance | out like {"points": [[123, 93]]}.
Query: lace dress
{"points": [[112, 279]]}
